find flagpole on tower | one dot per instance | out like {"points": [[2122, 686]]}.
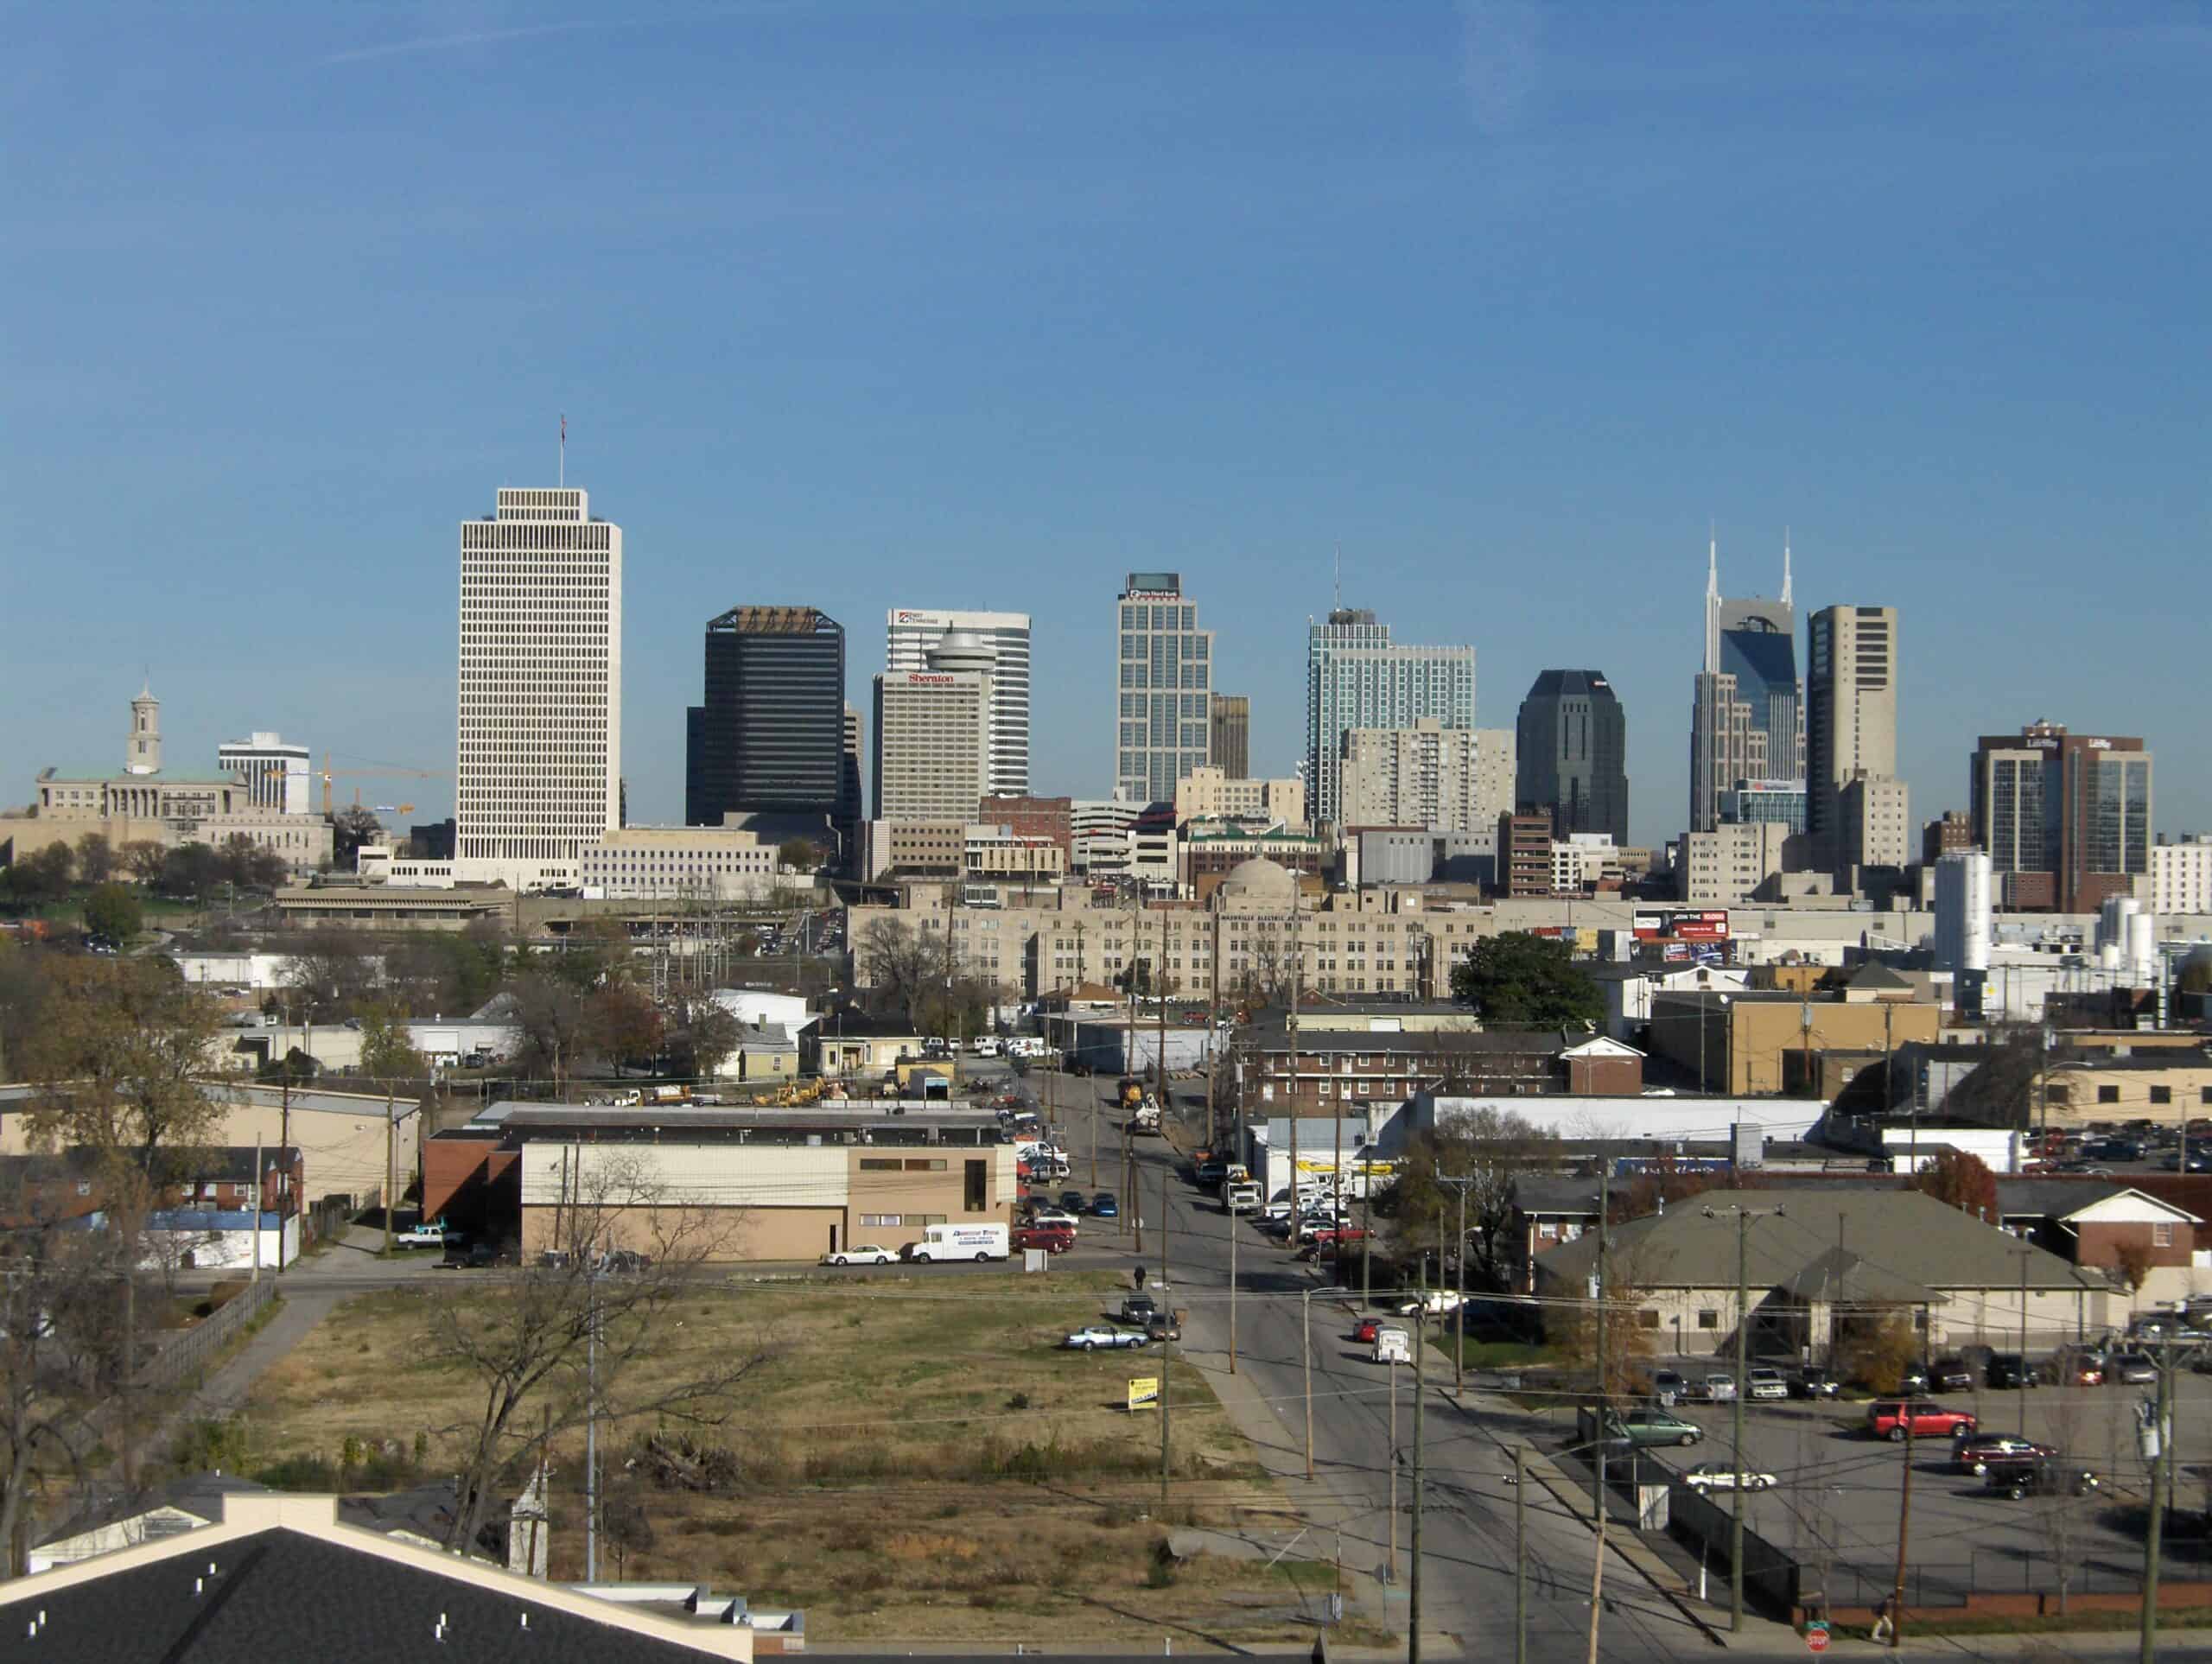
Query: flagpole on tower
{"points": [[564, 448]]}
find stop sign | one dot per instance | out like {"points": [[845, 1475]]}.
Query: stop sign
{"points": [[1816, 1637]]}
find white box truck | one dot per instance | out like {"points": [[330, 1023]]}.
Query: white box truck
{"points": [[957, 1243]]}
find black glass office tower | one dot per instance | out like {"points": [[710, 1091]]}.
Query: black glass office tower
{"points": [[770, 737], [1571, 755]]}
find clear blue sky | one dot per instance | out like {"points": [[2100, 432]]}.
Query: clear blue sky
{"points": [[950, 304]]}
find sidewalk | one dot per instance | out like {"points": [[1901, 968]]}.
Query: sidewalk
{"points": [[1316, 1502]]}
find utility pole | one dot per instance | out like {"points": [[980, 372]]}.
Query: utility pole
{"points": [[1458, 1285], [1905, 1527], [2022, 1254], [1297, 976], [1412, 1607], [390, 1173], [1604, 1410], [1744, 1217], [255, 1276], [2161, 1488], [1520, 1554], [1393, 1564], [1167, 1344], [1232, 1218], [1160, 993], [1305, 1359]]}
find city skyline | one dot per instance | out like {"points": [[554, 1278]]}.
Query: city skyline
{"points": [[997, 374]]}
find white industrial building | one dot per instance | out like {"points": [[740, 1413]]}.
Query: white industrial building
{"points": [[538, 761], [276, 774], [2181, 876]]}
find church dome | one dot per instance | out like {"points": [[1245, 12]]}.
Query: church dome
{"points": [[1261, 882]]}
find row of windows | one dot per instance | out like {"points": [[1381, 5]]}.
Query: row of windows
{"points": [[1140, 616]]}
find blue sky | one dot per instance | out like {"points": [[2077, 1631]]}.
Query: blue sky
{"points": [[977, 304]]}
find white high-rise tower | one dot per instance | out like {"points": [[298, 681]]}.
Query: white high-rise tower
{"points": [[539, 763], [913, 633]]}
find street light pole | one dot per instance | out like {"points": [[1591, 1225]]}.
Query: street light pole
{"points": [[1305, 1359]]}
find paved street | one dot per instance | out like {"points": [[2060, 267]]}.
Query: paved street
{"points": [[1469, 1527]]}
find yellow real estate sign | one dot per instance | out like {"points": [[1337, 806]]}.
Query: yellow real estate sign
{"points": [[1144, 1392]]}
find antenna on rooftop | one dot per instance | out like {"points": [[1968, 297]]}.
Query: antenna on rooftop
{"points": [[1339, 603]]}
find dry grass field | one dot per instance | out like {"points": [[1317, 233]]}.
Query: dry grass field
{"points": [[914, 1459]]}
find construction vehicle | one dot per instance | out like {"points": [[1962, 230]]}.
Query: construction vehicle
{"points": [[1131, 1091]]}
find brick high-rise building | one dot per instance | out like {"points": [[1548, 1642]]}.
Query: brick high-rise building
{"points": [[1231, 742], [2065, 817], [1524, 855]]}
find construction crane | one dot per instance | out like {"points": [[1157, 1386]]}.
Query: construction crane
{"points": [[380, 771]]}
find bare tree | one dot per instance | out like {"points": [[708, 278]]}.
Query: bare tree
{"points": [[63, 1347], [1491, 1148], [2058, 1511], [571, 1338]]}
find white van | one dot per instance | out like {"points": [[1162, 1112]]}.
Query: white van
{"points": [[957, 1243], [1393, 1345], [984, 1045]]}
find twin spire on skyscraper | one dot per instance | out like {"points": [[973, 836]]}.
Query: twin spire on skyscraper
{"points": [[1713, 594]]}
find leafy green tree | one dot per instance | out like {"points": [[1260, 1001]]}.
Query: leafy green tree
{"points": [[113, 910], [96, 859], [387, 1053], [800, 854], [350, 828], [190, 871], [42, 875], [144, 858], [1520, 981], [1490, 1148], [1960, 1179]]}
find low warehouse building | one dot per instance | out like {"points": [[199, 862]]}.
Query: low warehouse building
{"points": [[744, 1184]]}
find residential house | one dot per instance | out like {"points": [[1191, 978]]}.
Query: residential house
{"points": [[1825, 1259], [278, 1577]]}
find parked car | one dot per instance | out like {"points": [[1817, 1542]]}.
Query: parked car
{"points": [[1098, 1337], [2132, 1368], [1103, 1206], [1725, 1475], [1891, 1417], [1718, 1389], [2011, 1371], [1073, 1202], [473, 1256], [424, 1233], [1053, 1238], [1974, 1453], [1434, 1303], [1814, 1383], [864, 1254], [1364, 1331], [1668, 1388], [1950, 1376], [1137, 1308], [1052, 1215], [1163, 1327], [1763, 1383], [2044, 1474], [1641, 1426], [624, 1262]]}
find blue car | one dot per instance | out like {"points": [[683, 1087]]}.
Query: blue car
{"points": [[1103, 1205]]}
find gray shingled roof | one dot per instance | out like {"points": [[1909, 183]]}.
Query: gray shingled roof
{"points": [[1901, 1234]]}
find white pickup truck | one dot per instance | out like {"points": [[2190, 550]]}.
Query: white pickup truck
{"points": [[424, 1233]]}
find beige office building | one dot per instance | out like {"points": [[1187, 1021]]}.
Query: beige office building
{"points": [[933, 734], [539, 766], [1851, 729], [1428, 776], [1212, 793]]}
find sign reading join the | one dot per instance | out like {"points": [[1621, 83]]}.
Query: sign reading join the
{"points": [[1144, 1392]]}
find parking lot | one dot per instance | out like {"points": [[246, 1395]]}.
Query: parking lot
{"points": [[1835, 1504]]}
